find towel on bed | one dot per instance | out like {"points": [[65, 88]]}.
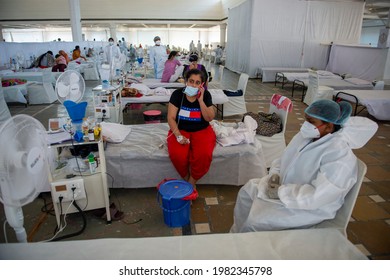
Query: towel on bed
{"points": [[243, 133]]}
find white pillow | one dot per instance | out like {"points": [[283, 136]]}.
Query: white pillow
{"points": [[357, 81], [114, 132], [144, 89]]}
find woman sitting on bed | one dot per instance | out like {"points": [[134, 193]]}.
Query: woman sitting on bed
{"points": [[191, 139], [172, 69]]}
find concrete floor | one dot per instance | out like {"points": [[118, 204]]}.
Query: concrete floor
{"points": [[212, 212]]}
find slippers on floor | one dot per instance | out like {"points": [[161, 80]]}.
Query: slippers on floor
{"points": [[116, 215]]}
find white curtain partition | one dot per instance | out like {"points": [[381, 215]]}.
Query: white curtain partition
{"points": [[237, 51], [361, 62], [11, 50], [288, 33]]}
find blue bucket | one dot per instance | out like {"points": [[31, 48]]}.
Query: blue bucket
{"points": [[75, 110], [176, 210]]}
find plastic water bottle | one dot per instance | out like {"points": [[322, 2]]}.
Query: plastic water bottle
{"points": [[92, 163]]}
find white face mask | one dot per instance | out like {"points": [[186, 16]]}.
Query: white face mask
{"points": [[111, 43], [309, 130], [158, 43], [191, 91]]}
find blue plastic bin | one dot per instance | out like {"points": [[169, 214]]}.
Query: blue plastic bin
{"points": [[171, 196]]}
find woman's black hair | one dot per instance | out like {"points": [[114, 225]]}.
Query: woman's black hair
{"points": [[336, 127], [172, 54], [195, 72]]}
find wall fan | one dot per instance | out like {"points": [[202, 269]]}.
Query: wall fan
{"points": [[23, 167]]}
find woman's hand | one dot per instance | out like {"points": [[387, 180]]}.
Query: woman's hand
{"points": [[182, 140], [200, 92], [192, 66]]}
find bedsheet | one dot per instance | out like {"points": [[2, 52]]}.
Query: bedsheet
{"points": [[377, 102], [338, 84], [268, 73], [4, 111], [217, 95], [139, 162], [304, 244], [155, 83], [16, 93], [305, 76]]}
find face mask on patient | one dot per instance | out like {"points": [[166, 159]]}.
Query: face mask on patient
{"points": [[191, 91]]}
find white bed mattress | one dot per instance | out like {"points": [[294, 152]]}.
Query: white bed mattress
{"points": [[305, 244], [377, 102], [339, 84], [268, 73], [217, 96], [305, 76], [155, 83], [138, 162]]}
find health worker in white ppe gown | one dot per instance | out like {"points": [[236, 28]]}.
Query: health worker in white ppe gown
{"points": [[157, 56], [111, 51], [308, 184]]}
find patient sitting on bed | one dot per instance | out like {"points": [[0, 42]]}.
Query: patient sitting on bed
{"points": [[191, 139], [172, 68]]}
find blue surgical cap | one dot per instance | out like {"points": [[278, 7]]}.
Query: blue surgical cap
{"points": [[330, 111]]}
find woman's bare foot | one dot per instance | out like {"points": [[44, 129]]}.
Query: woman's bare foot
{"points": [[192, 181]]}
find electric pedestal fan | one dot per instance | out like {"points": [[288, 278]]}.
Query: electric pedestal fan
{"points": [[23, 167], [70, 85], [70, 88]]}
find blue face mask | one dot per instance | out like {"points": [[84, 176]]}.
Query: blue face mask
{"points": [[191, 91]]}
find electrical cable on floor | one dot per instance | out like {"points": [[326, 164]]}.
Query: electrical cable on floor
{"points": [[45, 208], [78, 232], [84, 222]]}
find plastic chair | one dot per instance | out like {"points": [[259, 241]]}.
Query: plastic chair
{"points": [[315, 91], [343, 215], [236, 104], [274, 146]]}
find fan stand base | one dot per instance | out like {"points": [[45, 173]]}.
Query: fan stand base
{"points": [[15, 219]]}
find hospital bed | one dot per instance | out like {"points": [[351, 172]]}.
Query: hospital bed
{"points": [[291, 77], [155, 83], [305, 244], [217, 95], [268, 74], [142, 160], [337, 84], [16, 93], [377, 102], [40, 89]]}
